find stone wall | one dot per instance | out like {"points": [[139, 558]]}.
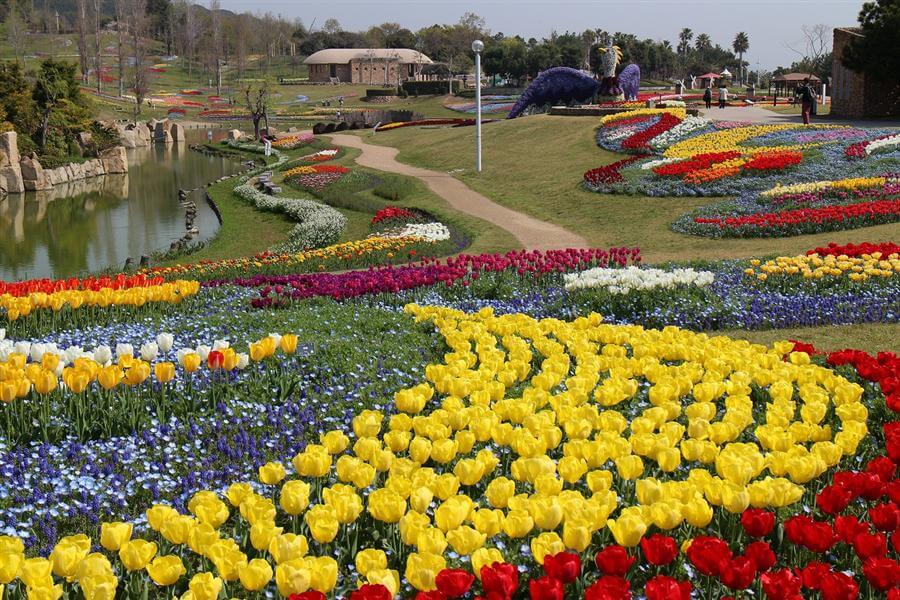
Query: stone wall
{"points": [[25, 173], [857, 95]]}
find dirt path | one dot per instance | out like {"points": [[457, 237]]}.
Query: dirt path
{"points": [[531, 233]]}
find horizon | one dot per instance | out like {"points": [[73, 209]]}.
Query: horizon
{"points": [[770, 34]]}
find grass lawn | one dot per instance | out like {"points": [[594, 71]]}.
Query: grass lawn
{"points": [[535, 165], [873, 338], [794, 109]]}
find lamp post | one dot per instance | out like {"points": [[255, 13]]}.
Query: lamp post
{"points": [[477, 47]]}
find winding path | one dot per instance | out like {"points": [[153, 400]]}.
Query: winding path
{"points": [[532, 233]]}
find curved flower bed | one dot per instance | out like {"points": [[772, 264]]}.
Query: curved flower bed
{"points": [[293, 141], [569, 496], [49, 286], [318, 224], [315, 177], [623, 281], [854, 250]]}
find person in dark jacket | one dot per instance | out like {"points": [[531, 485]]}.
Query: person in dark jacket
{"points": [[807, 98], [707, 96]]}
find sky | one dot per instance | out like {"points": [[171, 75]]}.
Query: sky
{"points": [[772, 25]]}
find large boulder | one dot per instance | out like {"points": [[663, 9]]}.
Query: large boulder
{"points": [[143, 135], [161, 133], [33, 175], [84, 138], [235, 134], [9, 144], [77, 171], [115, 160], [179, 133], [13, 176]]}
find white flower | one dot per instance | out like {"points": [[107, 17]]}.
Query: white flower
{"points": [[430, 232], [149, 351], [243, 360], [203, 352], [221, 344], [2, 333], [5, 350], [623, 281], [276, 337], [124, 350], [102, 354], [23, 348], [37, 352], [165, 341]]}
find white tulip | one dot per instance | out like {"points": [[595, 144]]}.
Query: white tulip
{"points": [[102, 354], [203, 352], [23, 348], [149, 351], [2, 333], [124, 350], [221, 344], [243, 360], [276, 337], [165, 341]]}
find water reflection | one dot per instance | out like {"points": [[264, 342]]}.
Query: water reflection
{"points": [[99, 222]]}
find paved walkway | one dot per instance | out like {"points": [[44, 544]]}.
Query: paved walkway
{"points": [[757, 114], [531, 233]]}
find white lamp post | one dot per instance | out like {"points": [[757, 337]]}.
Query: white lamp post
{"points": [[477, 47]]}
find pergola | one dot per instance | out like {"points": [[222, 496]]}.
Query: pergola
{"points": [[786, 84], [708, 80]]}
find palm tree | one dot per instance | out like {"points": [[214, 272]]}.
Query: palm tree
{"points": [[740, 45], [704, 42], [684, 40]]}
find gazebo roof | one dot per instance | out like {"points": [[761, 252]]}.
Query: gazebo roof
{"points": [[796, 77], [709, 76]]}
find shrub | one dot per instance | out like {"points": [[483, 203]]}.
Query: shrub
{"points": [[394, 188]]}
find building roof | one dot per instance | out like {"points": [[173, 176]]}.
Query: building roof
{"points": [[709, 76], [343, 56], [796, 77]]}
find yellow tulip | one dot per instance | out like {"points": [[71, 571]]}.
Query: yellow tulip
{"points": [[67, 554], [489, 522], [386, 506], [137, 554], [271, 473], [255, 575], [485, 557], [205, 586], [45, 382], [289, 343], [287, 547], [370, 559], [294, 496], [99, 587], [322, 522], [109, 377], [137, 373], [164, 372], [389, 578], [324, 570], [577, 534], [262, 533], [113, 535], [335, 441], [237, 492], [421, 570], [628, 528], [36, 572], [431, 540], [629, 467], [465, 540], [545, 544], [10, 565], [499, 491], [191, 362], [166, 570], [517, 524]]}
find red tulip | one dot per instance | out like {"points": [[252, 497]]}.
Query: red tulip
{"points": [[837, 586], [500, 579], [565, 566], [371, 591], [882, 573], [310, 595], [868, 545], [739, 573], [782, 584], [667, 588], [454, 583], [659, 549], [614, 560], [215, 360], [761, 554], [758, 522], [546, 588], [709, 554], [609, 587], [885, 517]]}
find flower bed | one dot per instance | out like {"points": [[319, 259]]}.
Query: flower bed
{"points": [[315, 177], [49, 286], [570, 495], [293, 141], [853, 250], [623, 281]]}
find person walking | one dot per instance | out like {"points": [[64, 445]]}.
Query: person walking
{"points": [[707, 96], [807, 99], [723, 94]]}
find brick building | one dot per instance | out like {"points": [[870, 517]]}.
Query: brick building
{"points": [[373, 66], [856, 94]]}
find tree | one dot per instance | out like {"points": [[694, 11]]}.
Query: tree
{"points": [[16, 100], [740, 45], [55, 82], [332, 26], [98, 45], [703, 42], [814, 50], [15, 29], [137, 10], [878, 50], [684, 41], [121, 40], [82, 23], [257, 98], [215, 46]]}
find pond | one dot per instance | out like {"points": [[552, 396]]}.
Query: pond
{"points": [[97, 223]]}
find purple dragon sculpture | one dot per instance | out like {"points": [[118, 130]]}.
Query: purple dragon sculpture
{"points": [[630, 81], [556, 85]]}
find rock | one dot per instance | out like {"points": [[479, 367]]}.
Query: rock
{"points": [[77, 171], [235, 134], [161, 133], [143, 135], [52, 176], [4, 159], [178, 133], [115, 160], [9, 144], [33, 175], [12, 175], [88, 168], [84, 138]]}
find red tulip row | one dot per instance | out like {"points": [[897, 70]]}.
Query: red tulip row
{"points": [[638, 141], [770, 161], [48, 286], [695, 163], [865, 213], [392, 212], [609, 173], [832, 249]]}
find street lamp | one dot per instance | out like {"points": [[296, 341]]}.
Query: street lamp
{"points": [[477, 48]]}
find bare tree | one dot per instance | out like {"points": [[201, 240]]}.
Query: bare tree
{"points": [[138, 25], [121, 40], [81, 28], [215, 47], [98, 45], [815, 45], [241, 33], [15, 30], [257, 98]]}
